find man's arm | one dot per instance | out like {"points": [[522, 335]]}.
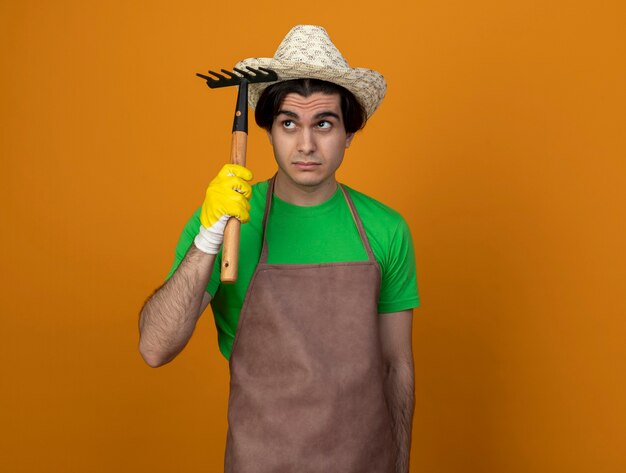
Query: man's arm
{"points": [[395, 337], [168, 318]]}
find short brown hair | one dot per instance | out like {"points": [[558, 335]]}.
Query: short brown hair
{"points": [[354, 115]]}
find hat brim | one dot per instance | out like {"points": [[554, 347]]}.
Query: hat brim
{"points": [[368, 86]]}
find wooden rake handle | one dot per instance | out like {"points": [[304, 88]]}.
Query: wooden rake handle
{"points": [[241, 78], [230, 252]]}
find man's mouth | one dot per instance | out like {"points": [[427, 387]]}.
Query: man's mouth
{"points": [[306, 165]]}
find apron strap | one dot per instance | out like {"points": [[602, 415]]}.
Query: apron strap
{"points": [[359, 224], [353, 212], [266, 213]]}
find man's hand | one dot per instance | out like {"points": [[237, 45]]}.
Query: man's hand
{"points": [[227, 196]]}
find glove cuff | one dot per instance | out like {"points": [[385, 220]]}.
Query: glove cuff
{"points": [[209, 240]]}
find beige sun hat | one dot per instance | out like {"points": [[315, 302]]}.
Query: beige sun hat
{"points": [[308, 53]]}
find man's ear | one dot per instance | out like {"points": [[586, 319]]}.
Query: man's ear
{"points": [[349, 137], [269, 136]]}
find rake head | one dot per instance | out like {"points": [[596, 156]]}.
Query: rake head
{"points": [[251, 76]]}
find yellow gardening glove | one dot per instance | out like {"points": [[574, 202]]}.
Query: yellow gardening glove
{"points": [[227, 196]]}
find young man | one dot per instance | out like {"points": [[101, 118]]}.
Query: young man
{"points": [[317, 327]]}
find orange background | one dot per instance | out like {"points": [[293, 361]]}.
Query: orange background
{"points": [[502, 141]]}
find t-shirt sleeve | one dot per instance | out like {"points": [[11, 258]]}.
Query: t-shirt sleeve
{"points": [[398, 289], [184, 243]]}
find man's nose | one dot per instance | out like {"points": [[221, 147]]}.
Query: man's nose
{"points": [[306, 143]]}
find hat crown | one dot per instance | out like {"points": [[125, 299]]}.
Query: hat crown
{"points": [[308, 53], [309, 44]]}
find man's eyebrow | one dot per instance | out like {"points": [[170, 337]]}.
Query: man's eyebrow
{"points": [[327, 114], [288, 113], [317, 116]]}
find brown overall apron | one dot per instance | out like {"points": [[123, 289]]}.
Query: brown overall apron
{"points": [[306, 389]]}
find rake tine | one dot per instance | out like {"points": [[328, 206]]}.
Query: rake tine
{"points": [[264, 71], [263, 74], [219, 76], [247, 75], [257, 73], [232, 76]]}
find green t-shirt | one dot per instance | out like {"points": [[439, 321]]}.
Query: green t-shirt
{"points": [[324, 233]]}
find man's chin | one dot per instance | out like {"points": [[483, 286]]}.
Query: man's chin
{"points": [[309, 181], [305, 179]]}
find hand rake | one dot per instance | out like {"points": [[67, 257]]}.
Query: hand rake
{"points": [[230, 253]]}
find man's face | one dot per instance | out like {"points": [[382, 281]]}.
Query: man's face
{"points": [[309, 140]]}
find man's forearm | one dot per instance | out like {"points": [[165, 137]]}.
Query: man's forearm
{"points": [[169, 316], [399, 390]]}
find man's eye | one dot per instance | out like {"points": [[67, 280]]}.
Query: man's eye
{"points": [[288, 124], [324, 124]]}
